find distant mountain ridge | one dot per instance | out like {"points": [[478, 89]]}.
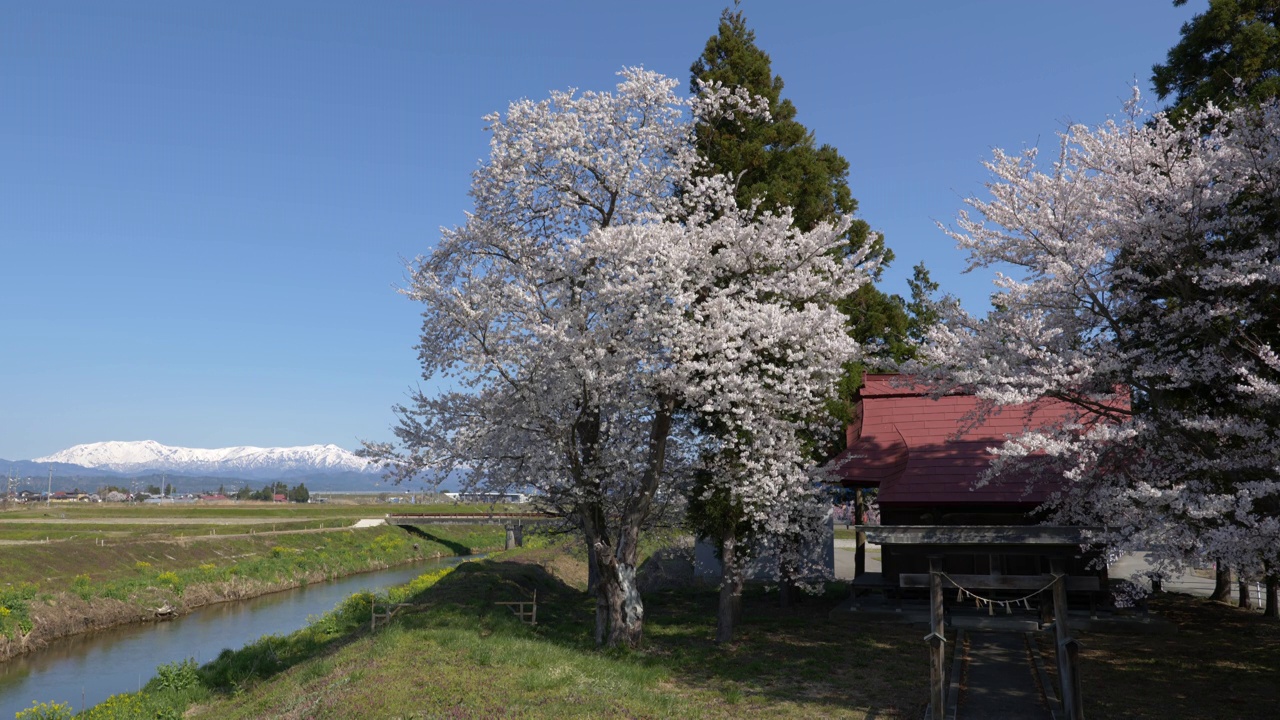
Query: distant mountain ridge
{"points": [[149, 456]]}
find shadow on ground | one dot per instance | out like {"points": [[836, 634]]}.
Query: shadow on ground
{"points": [[455, 547]]}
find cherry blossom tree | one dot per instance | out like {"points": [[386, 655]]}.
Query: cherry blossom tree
{"points": [[1147, 294], [597, 302]]}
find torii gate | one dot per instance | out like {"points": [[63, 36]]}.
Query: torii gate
{"points": [[1057, 543]]}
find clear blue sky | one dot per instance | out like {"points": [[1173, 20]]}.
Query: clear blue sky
{"points": [[204, 206]]}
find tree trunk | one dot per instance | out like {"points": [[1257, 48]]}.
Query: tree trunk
{"points": [[1221, 583], [788, 592], [626, 611], [1272, 609], [1246, 594], [593, 587], [731, 580]]}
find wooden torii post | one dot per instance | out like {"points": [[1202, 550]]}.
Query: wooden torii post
{"points": [[937, 639], [1067, 647]]}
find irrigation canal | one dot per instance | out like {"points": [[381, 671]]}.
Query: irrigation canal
{"points": [[84, 670]]}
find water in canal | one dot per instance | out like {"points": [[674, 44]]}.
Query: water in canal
{"points": [[84, 670]]}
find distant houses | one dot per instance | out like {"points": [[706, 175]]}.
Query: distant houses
{"points": [[487, 497]]}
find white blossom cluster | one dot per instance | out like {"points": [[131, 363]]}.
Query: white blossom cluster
{"points": [[1147, 294], [601, 299]]}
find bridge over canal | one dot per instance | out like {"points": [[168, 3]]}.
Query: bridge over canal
{"points": [[515, 523]]}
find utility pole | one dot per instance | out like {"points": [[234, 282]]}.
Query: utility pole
{"points": [[48, 497]]}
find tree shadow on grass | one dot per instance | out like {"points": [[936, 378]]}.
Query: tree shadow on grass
{"points": [[796, 655], [800, 656], [454, 546], [1221, 662]]}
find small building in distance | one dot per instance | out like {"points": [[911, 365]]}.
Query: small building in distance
{"points": [[487, 497]]}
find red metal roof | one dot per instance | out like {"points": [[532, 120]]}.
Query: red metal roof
{"points": [[920, 450]]}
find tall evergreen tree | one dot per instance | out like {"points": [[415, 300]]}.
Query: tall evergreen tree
{"points": [[1227, 55], [1234, 41], [778, 163]]}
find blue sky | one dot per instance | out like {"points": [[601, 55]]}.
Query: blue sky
{"points": [[204, 213]]}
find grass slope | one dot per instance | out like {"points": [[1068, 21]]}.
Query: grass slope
{"points": [[455, 654]]}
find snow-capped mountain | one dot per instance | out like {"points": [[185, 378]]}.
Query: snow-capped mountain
{"points": [[245, 462]]}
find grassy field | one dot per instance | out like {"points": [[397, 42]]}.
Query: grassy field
{"points": [[117, 532], [213, 512], [114, 523]]}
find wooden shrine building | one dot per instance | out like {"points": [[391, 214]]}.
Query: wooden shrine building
{"points": [[940, 531], [923, 459]]}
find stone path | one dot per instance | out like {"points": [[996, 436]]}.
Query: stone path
{"points": [[999, 680]]}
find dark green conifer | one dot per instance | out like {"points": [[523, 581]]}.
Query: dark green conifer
{"points": [[1234, 41]]}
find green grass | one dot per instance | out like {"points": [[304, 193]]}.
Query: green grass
{"points": [[123, 531], [457, 654], [1223, 662]]}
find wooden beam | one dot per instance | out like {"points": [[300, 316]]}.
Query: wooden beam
{"points": [[1038, 535], [998, 582]]}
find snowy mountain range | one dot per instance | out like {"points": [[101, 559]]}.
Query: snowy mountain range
{"points": [[149, 456]]}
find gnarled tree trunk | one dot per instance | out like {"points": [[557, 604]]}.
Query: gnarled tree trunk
{"points": [[618, 597], [626, 610]]}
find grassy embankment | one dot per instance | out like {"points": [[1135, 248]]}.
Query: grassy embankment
{"points": [[456, 654], [112, 573]]}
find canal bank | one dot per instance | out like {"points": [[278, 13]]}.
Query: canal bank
{"points": [[83, 670], [68, 588]]}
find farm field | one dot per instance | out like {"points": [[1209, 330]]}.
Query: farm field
{"points": [[99, 567], [109, 522]]}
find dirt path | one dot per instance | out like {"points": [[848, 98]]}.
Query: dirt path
{"points": [[999, 679], [181, 540], [52, 520]]}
